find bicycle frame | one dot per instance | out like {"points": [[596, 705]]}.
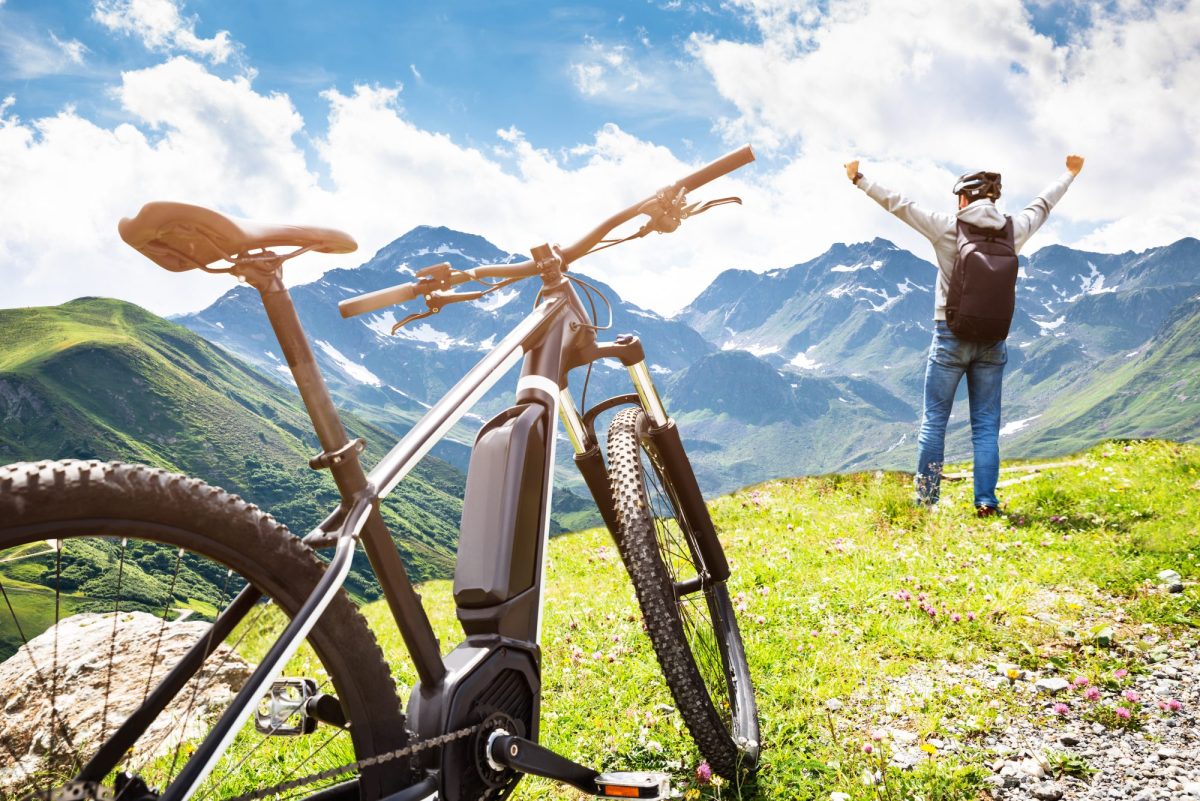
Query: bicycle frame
{"points": [[498, 612]]}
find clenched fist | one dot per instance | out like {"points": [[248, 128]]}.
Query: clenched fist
{"points": [[1074, 164], [852, 168]]}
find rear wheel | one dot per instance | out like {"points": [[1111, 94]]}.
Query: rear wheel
{"points": [[689, 617], [109, 574]]}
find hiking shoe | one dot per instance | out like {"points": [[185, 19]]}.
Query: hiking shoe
{"points": [[986, 511]]}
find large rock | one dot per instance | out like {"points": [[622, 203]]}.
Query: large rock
{"points": [[79, 671]]}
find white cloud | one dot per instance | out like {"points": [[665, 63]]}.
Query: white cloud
{"points": [[73, 49], [162, 28], [817, 89], [28, 53], [199, 138], [603, 68], [923, 89]]}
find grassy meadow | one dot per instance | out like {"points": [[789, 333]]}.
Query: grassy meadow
{"points": [[831, 574]]}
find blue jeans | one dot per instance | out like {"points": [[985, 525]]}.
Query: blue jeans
{"points": [[983, 363]]}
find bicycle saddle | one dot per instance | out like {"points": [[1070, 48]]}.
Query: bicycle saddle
{"points": [[179, 236]]}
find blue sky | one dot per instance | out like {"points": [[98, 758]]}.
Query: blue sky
{"points": [[526, 121]]}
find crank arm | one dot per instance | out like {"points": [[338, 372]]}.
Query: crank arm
{"points": [[526, 756]]}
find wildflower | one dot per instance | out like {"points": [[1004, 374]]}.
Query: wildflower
{"points": [[717, 782], [1123, 713], [691, 795], [1092, 694], [760, 620], [1120, 673], [921, 596], [764, 590], [970, 617], [1013, 673], [1081, 681], [1174, 705], [1132, 696], [867, 748], [929, 748], [877, 735], [956, 617], [704, 773], [1061, 708], [988, 598]]}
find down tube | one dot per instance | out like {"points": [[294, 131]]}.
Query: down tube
{"points": [[430, 429]]}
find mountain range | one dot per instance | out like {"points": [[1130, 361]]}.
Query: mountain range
{"points": [[811, 368]]}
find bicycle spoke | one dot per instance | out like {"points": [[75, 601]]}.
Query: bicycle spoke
{"points": [[187, 715], [213, 673], [163, 625], [679, 556], [58, 546], [308, 760], [112, 642], [37, 672]]}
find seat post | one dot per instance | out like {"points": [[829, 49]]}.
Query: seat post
{"points": [[265, 274]]}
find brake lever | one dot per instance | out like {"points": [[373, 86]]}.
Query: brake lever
{"points": [[435, 302], [699, 208]]}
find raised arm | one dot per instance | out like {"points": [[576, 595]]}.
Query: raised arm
{"points": [[1032, 216], [930, 224]]}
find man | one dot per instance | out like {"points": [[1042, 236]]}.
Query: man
{"points": [[950, 357]]}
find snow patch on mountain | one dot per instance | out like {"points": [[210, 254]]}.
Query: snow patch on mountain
{"points": [[498, 299], [1091, 284], [1016, 425], [352, 368], [760, 350], [853, 268], [1050, 326], [803, 361]]}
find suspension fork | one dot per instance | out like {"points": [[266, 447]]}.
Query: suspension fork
{"points": [[662, 435]]}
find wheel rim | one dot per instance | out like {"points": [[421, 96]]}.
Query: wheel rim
{"points": [[91, 630], [698, 611]]}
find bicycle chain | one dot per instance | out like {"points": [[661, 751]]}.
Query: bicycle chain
{"points": [[400, 753]]}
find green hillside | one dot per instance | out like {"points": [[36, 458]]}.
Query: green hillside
{"points": [[103, 379], [831, 573], [1149, 392]]}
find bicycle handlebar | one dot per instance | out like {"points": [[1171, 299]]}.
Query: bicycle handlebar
{"points": [[373, 301]]}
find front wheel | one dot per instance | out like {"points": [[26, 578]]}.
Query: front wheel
{"points": [[688, 616]]}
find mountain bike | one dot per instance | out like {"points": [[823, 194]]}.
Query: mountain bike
{"points": [[272, 671]]}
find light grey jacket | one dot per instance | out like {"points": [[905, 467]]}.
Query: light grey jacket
{"points": [[941, 229]]}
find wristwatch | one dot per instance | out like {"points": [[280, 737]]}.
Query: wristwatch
{"points": [[857, 177]]}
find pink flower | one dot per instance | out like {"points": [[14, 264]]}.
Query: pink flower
{"points": [[1081, 681], [704, 773], [760, 620], [1061, 709], [1174, 705], [1123, 713], [956, 617], [1132, 696], [1120, 673], [867, 748], [970, 617], [1092, 694]]}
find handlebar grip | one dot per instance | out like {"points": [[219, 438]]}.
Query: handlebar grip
{"points": [[378, 299], [726, 164]]}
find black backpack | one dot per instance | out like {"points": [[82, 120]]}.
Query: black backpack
{"points": [[983, 283]]}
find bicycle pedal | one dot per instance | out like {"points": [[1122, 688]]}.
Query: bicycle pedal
{"points": [[634, 784], [284, 710]]}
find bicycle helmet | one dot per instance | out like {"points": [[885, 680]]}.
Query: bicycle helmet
{"points": [[977, 185]]}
